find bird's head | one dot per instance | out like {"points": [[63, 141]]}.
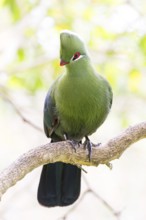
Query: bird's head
{"points": [[72, 48]]}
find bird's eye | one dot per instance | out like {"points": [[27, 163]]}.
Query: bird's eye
{"points": [[76, 56]]}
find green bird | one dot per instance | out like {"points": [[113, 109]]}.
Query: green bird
{"points": [[77, 103]]}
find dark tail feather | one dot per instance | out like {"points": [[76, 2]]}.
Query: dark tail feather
{"points": [[59, 184]]}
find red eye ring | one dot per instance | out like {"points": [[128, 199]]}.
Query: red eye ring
{"points": [[76, 55]]}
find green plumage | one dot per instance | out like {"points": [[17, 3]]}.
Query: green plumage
{"points": [[82, 97], [76, 105]]}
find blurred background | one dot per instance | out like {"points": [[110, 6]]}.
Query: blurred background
{"points": [[115, 32]]}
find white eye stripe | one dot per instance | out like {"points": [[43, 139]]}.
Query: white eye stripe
{"points": [[74, 60]]}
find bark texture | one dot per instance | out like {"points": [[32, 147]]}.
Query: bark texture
{"points": [[63, 151]]}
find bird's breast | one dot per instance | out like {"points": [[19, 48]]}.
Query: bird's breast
{"points": [[82, 106]]}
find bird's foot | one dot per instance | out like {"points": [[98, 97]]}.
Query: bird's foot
{"points": [[74, 143], [88, 144], [97, 145]]}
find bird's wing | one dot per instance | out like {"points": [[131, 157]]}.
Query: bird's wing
{"points": [[111, 96], [51, 119]]}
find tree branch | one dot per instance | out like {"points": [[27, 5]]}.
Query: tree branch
{"points": [[63, 151]]}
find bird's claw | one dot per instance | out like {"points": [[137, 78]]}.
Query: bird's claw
{"points": [[74, 143], [98, 144], [88, 144]]}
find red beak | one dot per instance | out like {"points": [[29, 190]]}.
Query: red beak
{"points": [[62, 62]]}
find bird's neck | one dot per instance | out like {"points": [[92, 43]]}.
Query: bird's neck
{"points": [[80, 68]]}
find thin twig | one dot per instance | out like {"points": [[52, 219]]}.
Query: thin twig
{"points": [[64, 217], [105, 203], [20, 114]]}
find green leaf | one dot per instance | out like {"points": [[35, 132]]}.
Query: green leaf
{"points": [[134, 81], [21, 54], [142, 44], [14, 7], [31, 81]]}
